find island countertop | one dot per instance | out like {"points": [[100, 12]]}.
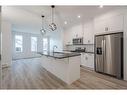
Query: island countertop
{"points": [[59, 55]]}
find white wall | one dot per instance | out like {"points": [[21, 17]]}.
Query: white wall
{"points": [[6, 43], [55, 38], [26, 45]]}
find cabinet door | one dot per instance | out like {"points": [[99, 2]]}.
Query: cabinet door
{"points": [[99, 26], [82, 58], [88, 33], [77, 31], [115, 23], [68, 37], [88, 60]]}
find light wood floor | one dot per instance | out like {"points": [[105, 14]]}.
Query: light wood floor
{"points": [[29, 74]]}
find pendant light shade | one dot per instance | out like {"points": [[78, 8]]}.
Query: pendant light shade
{"points": [[52, 26], [42, 30]]}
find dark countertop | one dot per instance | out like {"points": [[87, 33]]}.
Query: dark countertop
{"points": [[80, 51], [89, 52], [59, 55]]}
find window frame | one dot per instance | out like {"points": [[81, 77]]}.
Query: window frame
{"points": [[36, 43], [21, 43]]}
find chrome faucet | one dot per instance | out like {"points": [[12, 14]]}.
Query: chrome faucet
{"points": [[54, 47]]}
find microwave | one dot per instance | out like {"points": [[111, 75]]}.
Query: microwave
{"points": [[77, 41]]}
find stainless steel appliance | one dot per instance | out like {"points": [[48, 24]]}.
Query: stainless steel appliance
{"points": [[77, 41], [109, 54]]}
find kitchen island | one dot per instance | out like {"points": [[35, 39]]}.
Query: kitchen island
{"points": [[65, 66]]}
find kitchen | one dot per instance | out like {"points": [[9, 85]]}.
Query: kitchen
{"points": [[64, 58]]}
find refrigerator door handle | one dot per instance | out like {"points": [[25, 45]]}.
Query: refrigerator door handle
{"points": [[102, 46], [104, 53]]}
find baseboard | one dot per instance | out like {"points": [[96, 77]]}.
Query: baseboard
{"points": [[92, 69]]}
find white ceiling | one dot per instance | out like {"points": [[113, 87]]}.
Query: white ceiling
{"points": [[28, 18]]}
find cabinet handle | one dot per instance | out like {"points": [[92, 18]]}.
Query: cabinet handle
{"points": [[106, 29], [88, 41], [86, 58]]}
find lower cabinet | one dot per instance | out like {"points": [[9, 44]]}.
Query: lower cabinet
{"points": [[87, 60]]}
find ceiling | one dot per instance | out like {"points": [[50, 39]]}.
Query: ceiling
{"points": [[28, 18]]}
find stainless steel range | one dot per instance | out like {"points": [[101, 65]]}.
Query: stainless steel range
{"points": [[109, 54]]}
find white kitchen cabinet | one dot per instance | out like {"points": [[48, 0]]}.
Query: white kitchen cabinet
{"points": [[114, 23], [87, 60], [88, 33], [77, 31], [74, 32], [85, 30], [99, 26], [68, 37], [82, 58]]}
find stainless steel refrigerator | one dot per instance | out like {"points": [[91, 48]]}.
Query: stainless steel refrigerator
{"points": [[109, 54]]}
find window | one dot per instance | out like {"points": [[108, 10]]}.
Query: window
{"points": [[45, 44], [18, 43], [33, 44]]}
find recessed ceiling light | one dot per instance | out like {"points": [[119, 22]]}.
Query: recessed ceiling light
{"points": [[79, 16], [101, 6], [65, 22]]}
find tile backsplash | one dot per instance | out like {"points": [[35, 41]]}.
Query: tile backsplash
{"points": [[89, 48]]}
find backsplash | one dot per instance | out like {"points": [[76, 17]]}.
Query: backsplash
{"points": [[89, 48]]}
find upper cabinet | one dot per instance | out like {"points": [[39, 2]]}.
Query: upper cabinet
{"points": [[88, 33], [73, 32], [85, 30], [77, 31], [113, 23], [67, 37]]}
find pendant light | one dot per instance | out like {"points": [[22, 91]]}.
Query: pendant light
{"points": [[52, 26], [43, 31]]}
